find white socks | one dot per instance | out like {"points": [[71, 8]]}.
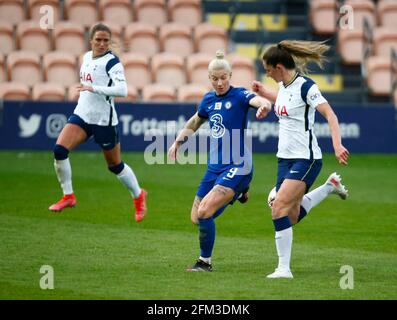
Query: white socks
{"points": [[128, 179], [314, 197], [206, 260], [284, 246], [64, 175]]}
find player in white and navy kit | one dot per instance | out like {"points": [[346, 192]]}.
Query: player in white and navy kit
{"points": [[299, 156], [229, 170], [101, 80]]}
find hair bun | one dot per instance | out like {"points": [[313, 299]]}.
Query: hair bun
{"points": [[219, 54]]}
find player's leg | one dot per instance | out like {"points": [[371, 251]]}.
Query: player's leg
{"points": [[127, 177], [70, 137], [288, 199], [332, 185]]}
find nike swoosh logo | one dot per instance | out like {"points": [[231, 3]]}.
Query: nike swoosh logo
{"points": [[293, 171]]}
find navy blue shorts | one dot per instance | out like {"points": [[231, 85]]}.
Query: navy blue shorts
{"points": [[228, 178], [106, 136], [298, 169]]}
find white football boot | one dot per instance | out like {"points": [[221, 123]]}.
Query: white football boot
{"points": [[338, 188], [281, 273]]}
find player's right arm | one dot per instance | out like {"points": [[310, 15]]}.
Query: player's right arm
{"points": [[191, 126], [262, 91]]}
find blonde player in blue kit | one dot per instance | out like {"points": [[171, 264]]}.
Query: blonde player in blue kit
{"points": [[229, 170], [102, 78], [299, 156]]}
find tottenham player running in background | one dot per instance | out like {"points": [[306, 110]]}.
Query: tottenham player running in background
{"points": [[102, 78], [230, 168], [299, 156]]}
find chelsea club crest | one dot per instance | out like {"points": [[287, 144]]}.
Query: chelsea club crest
{"points": [[228, 105]]}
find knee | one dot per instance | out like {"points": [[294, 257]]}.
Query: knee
{"points": [[278, 208], [60, 152], [116, 169], [203, 212]]}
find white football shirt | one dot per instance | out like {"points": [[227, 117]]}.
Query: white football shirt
{"points": [[295, 107], [106, 76]]}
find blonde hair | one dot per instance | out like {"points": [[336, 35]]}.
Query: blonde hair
{"points": [[219, 63], [296, 54]]}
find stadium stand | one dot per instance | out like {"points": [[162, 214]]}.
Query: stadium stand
{"points": [[158, 92], [12, 11], [168, 68], [81, 11], [187, 12], [131, 96], [153, 12], [25, 67], [30, 37], [60, 67], [6, 37], [48, 91], [137, 69], [34, 7], [3, 74], [144, 30], [142, 37], [191, 92], [14, 91], [116, 11], [176, 38]]}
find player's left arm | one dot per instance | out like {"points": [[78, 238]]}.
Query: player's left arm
{"points": [[119, 87], [262, 104], [341, 153]]}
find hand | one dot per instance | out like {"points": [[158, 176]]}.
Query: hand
{"points": [[82, 87], [262, 112], [342, 154], [173, 150], [258, 87]]}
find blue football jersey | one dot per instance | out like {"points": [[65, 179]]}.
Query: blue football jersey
{"points": [[228, 117]]}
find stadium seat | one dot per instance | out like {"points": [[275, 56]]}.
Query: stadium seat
{"points": [[168, 68], [84, 12], [387, 13], [243, 71], [12, 11], [379, 76], [323, 16], [69, 37], [158, 93], [131, 97], [191, 92], [350, 46], [30, 37], [35, 5], [72, 93], [187, 12], [363, 9], [142, 38], [14, 91], [197, 68], [3, 73], [60, 67], [210, 38], [176, 38], [116, 11], [152, 12], [385, 38], [48, 91], [25, 67], [136, 68], [6, 37], [395, 97]]}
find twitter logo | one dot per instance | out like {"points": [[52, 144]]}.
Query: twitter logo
{"points": [[29, 126]]}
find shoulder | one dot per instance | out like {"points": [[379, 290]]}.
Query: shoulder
{"points": [[111, 60], [243, 92]]}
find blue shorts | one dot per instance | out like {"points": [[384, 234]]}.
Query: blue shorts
{"points": [[227, 178], [298, 169], [106, 136]]}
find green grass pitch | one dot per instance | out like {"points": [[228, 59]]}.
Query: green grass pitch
{"points": [[97, 251]]}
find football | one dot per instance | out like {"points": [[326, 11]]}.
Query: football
{"points": [[271, 197]]}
